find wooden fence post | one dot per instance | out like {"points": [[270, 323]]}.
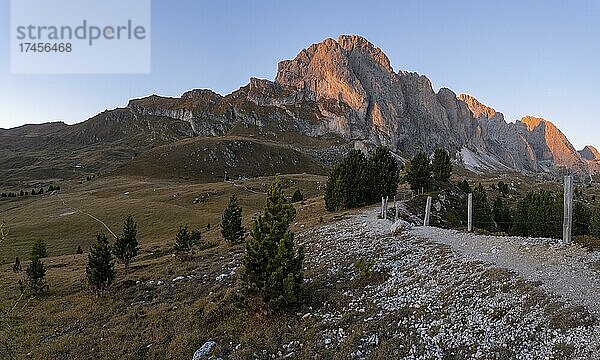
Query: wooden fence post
{"points": [[568, 209], [470, 213], [427, 211]]}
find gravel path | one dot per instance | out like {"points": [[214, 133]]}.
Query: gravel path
{"points": [[564, 270], [437, 298]]}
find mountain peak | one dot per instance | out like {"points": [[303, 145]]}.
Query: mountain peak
{"points": [[352, 43], [477, 107], [533, 122], [590, 153]]}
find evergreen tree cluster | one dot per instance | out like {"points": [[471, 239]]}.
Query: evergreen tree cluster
{"points": [[359, 180], [185, 240], [539, 214], [22, 193], [100, 269], [272, 265], [424, 175]]}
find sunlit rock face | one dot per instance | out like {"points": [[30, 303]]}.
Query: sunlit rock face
{"points": [[550, 145], [403, 111], [348, 88], [591, 155]]}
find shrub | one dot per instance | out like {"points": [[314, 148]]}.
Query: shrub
{"points": [[363, 268], [441, 166], [100, 269], [418, 172], [126, 247], [298, 196], [79, 250], [231, 222], [185, 241], [272, 266], [38, 250]]}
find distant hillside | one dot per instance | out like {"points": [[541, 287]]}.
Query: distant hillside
{"points": [[206, 159], [33, 153]]}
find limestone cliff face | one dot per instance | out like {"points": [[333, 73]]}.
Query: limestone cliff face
{"points": [[402, 110], [347, 88], [592, 156], [550, 145]]}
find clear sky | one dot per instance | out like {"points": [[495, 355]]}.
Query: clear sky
{"points": [[521, 57]]}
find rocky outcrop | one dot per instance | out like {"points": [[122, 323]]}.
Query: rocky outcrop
{"points": [[550, 145], [591, 155]]}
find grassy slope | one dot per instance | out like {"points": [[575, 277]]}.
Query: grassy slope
{"points": [[159, 206], [71, 323], [207, 159]]}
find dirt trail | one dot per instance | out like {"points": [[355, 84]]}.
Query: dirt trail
{"points": [[564, 270], [438, 298]]}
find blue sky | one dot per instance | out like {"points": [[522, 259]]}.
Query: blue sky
{"points": [[521, 57]]}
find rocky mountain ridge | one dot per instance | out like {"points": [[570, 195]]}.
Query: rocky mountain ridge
{"points": [[332, 96], [348, 88]]}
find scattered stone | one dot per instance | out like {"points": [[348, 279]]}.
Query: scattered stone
{"points": [[204, 351]]}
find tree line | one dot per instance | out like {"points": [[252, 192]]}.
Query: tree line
{"points": [[39, 191]]}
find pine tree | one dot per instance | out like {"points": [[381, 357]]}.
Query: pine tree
{"points": [[17, 266], [38, 250], [231, 225], [539, 214], [441, 166], [465, 187], [79, 250], [345, 186], [503, 188], [581, 219], [298, 196], [36, 277], [382, 175], [595, 223], [482, 217], [418, 172], [126, 247], [101, 266], [502, 215], [272, 265], [185, 241]]}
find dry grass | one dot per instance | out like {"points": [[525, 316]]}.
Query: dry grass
{"points": [[159, 207]]}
